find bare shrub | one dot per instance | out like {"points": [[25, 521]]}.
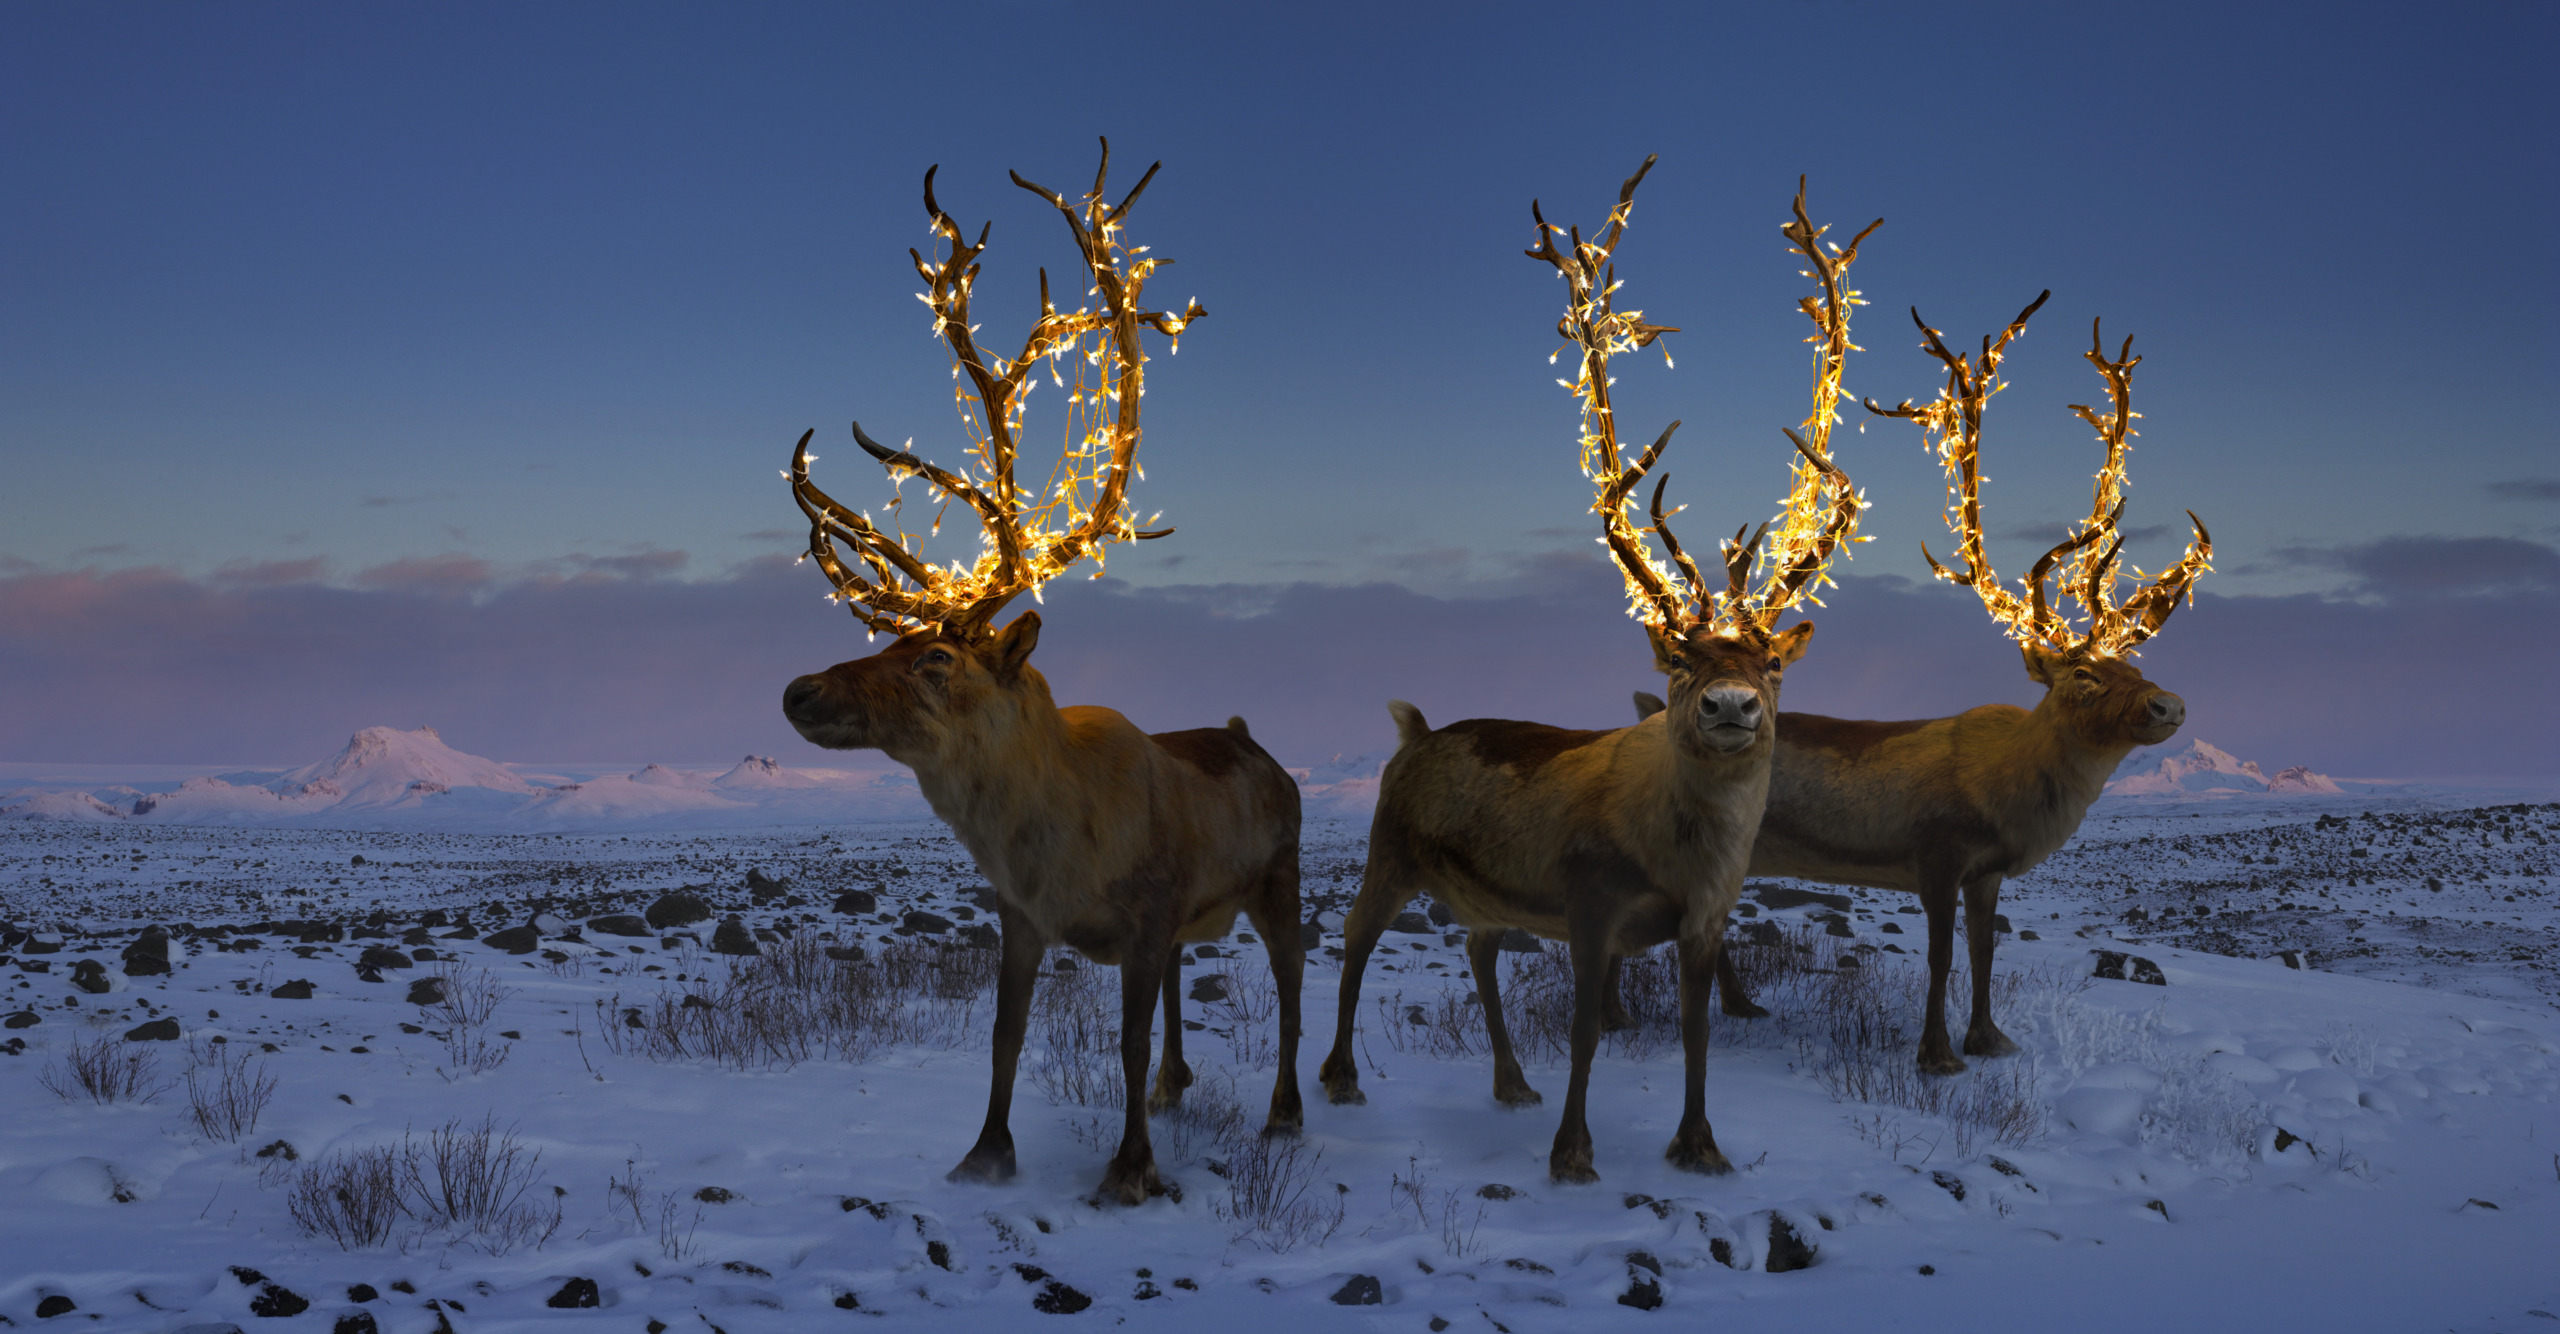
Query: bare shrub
{"points": [[794, 1004], [1209, 1119], [1441, 1212], [1274, 1199], [1244, 1016], [351, 1197], [1075, 1020], [104, 1069], [225, 1095], [470, 1005], [1537, 1004], [479, 1183], [1447, 1025]]}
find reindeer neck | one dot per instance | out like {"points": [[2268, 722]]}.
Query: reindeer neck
{"points": [[1714, 800], [2051, 774], [1011, 770]]}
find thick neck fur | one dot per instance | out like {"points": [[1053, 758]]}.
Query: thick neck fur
{"points": [[999, 768], [2047, 779], [1695, 811]]}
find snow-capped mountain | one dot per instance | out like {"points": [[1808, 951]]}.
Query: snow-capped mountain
{"points": [[382, 766], [2205, 767]]}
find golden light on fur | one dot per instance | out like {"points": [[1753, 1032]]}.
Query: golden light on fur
{"points": [[2086, 564], [1771, 571], [1027, 537]]}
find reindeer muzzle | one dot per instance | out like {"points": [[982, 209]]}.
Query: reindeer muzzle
{"points": [[2163, 715], [1730, 716]]}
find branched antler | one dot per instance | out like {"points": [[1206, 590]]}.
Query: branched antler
{"points": [[1822, 506], [1078, 513], [2085, 563]]}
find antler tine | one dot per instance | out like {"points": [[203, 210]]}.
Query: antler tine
{"points": [[1694, 583], [2040, 618]]}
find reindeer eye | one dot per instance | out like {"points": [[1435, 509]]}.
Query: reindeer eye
{"points": [[2084, 674], [1776, 666], [936, 657]]}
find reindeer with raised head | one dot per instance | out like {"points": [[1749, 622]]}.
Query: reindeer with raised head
{"points": [[1940, 805], [1119, 844], [1616, 840]]}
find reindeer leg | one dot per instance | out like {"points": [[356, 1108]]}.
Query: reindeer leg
{"points": [[1693, 1145], [1173, 1074], [1510, 1086], [1737, 999], [1377, 905], [991, 1159], [1570, 1161], [1132, 1177], [1277, 920], [1938, 897], [1613, 1004], [1983, 1037]]}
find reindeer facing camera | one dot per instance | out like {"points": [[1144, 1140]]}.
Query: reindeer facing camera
{"points": [[1117, 843], [1617, 840]]}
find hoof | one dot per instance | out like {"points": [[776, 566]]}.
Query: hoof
{"points": [[1518, 1096], [1345, 1094], [1276, 1128], [1744, 1010], [1163, 1100], [982, 1168], [1701, 1157], [1616, 1022], [1574, 1172], [1989, 1041], [1942, 1062], [1131, 1187]]}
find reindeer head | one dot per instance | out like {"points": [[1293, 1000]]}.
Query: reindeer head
{"points": [[2085, 668], [926, 695], [1721, 649], [950, 669]]}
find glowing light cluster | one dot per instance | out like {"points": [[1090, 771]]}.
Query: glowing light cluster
{"points": [[2087, 563], [1027, 537], [1771, 571]]}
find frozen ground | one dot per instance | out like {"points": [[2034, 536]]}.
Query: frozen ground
{"points": [[2371, 1143]]}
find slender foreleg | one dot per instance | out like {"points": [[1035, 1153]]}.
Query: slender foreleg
{"points": [[991, 1159], [1693, 1145], [1132, 1177], [1981, 902], [1938, 898], [1484, 954], [1173, 1074], [1570, 1160], [1385, 887], [1277, 920]]}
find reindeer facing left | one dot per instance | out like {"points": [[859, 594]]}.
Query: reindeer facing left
{"points": [[1119, 844]]}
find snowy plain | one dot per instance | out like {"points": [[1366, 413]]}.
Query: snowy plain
{"points": [[2367, 1142]]}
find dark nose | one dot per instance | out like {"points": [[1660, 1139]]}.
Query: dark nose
{"points": [[2168, 710], [798, 695], [1730, 706]]}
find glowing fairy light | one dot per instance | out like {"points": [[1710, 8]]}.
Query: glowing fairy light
{"points": [[1028, 536], [1772, 570], [2086, 563]]}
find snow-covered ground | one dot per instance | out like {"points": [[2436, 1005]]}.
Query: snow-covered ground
{"points": [[2368, 1143]]}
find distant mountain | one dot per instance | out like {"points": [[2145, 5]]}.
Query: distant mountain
{"points": [[2204, 767], [384, 766], [1346, 785]]}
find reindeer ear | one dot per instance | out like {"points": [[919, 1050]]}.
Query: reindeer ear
{"points": [[1789, 643], [1666, 649], [1012, 645], [1648, 704], [2043, 663]]}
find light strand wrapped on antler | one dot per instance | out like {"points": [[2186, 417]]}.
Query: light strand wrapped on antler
{"points": [[1027, 539], [2086, 563], [1822, 506]]}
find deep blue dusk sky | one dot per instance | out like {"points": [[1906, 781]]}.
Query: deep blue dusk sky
{"points": [[391, 306]]}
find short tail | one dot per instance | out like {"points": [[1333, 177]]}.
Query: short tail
{"points": [[1236, 725], [1410, 727]]}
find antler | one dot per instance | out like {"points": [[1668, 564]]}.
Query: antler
{"points": [[1822, 506], [2087, 559], [1021, 549]]}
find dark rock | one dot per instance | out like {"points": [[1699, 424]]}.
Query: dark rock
{"points": [[715, 1195], [279, 1149], [1411, 924], [355, 1322], [90, 976], [249, 1278], [939, 1252], [1208, 988], [158, 1030], [298, 989], [323, 933], [22, 1019], [2122, 967], [1789, 1250], [733, 937], [982, 897], [846, 1301], [1310, 934], [1780, 897], [763, 886], [427, 991], [361, 1292], [1360, 1289], [1056, 1298], [1644, 1291], [1838, 926], [857, 901], [1950, 1183], [275, 1301], [149, 955], [1205, 951], [424, 955], [383, 956], [931, 924], [514, 940], [677, 908], [434, 917], [1495, 1190], [980, 936], [1439, 914], [2000, 924], [619, 924], [55, 1305], [845, 953], [576, 1294], [1517, 941]]}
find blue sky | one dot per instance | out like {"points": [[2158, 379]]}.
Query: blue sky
{"points": [[433, 301]]}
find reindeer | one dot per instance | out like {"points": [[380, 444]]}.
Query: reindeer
{"points": [[1937, 805], [1120, 844], [1614, 840]]}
